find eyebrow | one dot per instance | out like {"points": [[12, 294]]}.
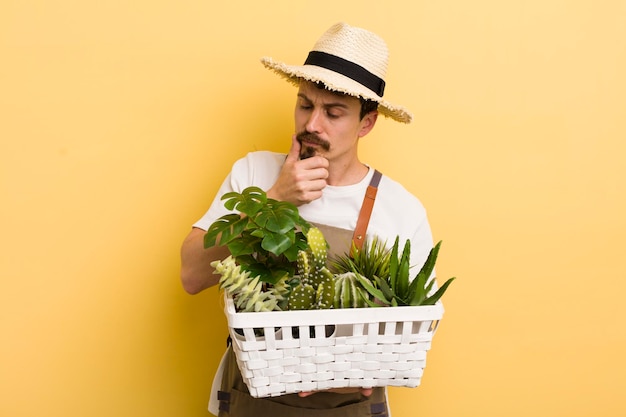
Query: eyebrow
{"points": [[326, 105]]}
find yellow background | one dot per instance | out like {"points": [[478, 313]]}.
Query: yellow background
{"points": [[119, 119]]}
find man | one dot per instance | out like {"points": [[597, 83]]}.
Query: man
{"points": [[340, 89]]}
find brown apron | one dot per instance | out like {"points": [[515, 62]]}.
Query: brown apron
{"points": [[234, 398]]}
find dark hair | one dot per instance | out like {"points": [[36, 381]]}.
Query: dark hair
{"points": [[367, 106]]}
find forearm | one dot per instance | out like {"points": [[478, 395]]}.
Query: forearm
{"points": [[196, 271]]}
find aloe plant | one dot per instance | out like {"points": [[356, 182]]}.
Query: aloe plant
{"points": [[396, 289], [265, 238]]}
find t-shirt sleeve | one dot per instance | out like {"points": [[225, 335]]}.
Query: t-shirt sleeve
{"points": [[256, 168]]}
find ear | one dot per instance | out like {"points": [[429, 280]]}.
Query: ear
{"points": [[367, 123]]}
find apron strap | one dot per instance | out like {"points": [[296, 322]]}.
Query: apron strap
{"points": [[358, 238]]}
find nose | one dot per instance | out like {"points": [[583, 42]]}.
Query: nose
{"points": [[313, 124]]}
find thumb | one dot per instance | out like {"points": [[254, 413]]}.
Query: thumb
{"points": [[294, 151]]}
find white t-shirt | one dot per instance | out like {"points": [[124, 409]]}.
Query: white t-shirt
{"points": [[396, 212]]}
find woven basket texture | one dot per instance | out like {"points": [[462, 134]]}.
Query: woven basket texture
{"points": [[285, 352]]}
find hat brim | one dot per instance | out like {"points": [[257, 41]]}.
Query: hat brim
{"points": [[336, 82]]}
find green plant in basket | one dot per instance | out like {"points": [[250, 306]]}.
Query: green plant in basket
{"points": [[249, 293], [265, 238], [315, 287], [396, 289], [372, 260], [277, 260]]}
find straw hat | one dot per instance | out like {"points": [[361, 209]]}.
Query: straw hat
{"points": [[349, 60]]}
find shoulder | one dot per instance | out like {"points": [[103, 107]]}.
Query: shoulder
{"points": [[261, 158], [396, 195], [260, 168]]}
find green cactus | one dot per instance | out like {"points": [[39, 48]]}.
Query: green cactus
{"points": [[249, 293], [347, 291], [316, 289], [302, 297]]}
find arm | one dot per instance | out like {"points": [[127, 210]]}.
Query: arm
{"points": [[196, 272]]}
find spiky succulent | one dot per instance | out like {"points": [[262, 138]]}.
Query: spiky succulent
{"points": [[369, 261], [249, 294]]}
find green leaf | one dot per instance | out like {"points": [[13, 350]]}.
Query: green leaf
{"points": [[291, 253], [230, 199], [304, 225], [249, 201], [402, 280], [242, 247], [420, 291], [276, 221], [276, 243], [364, 296], [367, 285], [437, 295], [260, 233], [267, 274], [393, 263], [412, 290], [428, 267], [257, 269], [224, 229], [384, 287], [247, 259], [430, 285]]}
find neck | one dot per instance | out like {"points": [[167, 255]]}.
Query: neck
{"points": [[346, 174]]}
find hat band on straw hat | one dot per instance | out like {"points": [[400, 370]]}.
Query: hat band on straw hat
{"points": [[347, 68]]}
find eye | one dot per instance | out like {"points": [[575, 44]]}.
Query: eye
{"points": [[333, 114]]}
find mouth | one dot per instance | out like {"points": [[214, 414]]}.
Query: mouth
{"points": [[310, 144]]}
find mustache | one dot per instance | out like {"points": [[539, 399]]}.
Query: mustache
{"points": [[308, 151]]}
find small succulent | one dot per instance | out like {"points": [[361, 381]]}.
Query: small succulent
{"points": [[249, 294], [396, 289], [316, 289]]}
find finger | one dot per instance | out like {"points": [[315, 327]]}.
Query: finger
{"points": [[317, 175], [315, 162], [294, 151], [366, 391], [304, 394]]}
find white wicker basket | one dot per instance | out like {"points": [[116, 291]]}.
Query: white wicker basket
{"points": [[321, 349]]}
